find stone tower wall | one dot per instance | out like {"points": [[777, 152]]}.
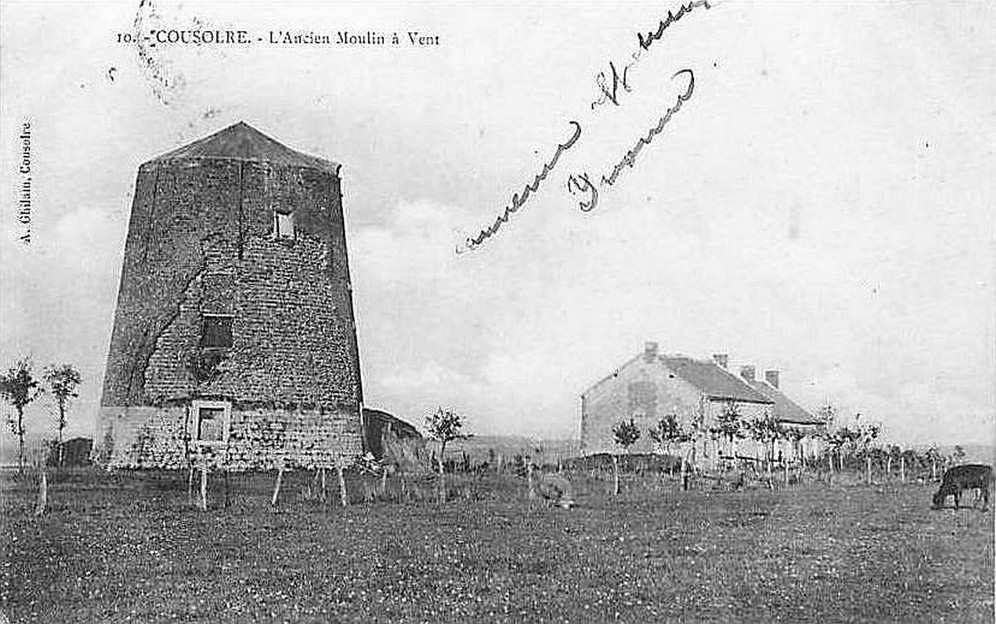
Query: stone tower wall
{"points": [[201, 241]]}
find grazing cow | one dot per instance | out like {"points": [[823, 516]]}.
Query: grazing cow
{"points": [[556, 489], [967, 477]]}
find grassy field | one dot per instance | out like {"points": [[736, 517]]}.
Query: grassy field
{"points": [[129, 548]]}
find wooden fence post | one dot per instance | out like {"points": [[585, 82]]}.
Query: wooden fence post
{"points": [[868, 469], [902, 468], [343, 495], [204, 488], [276, 487], [325, 490], [615, 471], [190, 485], [42, 494]]}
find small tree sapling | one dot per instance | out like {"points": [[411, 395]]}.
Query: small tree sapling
{"points": [[625, 434], [62, 384], [18, 387], [444, 426]]}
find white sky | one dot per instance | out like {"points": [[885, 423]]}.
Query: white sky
{"points": [[822, 205]]}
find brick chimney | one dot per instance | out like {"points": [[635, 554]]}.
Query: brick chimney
{"points": [[649, 351], [747, 372], [771, 376], [722, 359]]}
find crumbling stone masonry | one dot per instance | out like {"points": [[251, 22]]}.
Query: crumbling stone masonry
{"points": [[234, 339]]}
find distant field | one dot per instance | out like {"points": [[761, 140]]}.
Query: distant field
{"points": [[980, 453], [128, 548]]}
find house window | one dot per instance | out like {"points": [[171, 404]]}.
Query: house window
{"points": [[283, 225], [217, 331], [211, 421], [643, 399]]}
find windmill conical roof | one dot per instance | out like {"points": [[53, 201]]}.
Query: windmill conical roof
{"points": [[244, 143]]}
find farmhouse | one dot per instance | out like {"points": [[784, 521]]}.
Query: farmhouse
{"points": [[804, 426], [653, 385], [234, 339]]}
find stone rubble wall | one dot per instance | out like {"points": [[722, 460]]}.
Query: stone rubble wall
{"points": [[200, 241], [259, 439]]}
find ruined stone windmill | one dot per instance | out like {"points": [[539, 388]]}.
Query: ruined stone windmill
{"points": [[234, 333]]}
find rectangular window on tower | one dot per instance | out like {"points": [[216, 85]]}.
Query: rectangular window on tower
{"points": [[283, 225], [212, 421], [217, 331]]}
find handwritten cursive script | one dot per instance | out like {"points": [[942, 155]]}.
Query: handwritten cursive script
{"points": [[646, 42], [608, 84], [519, 200], [611, 85], [582, 183]]}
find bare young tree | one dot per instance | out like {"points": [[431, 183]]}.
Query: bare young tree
{"points": [[666, 432], [444, 426], [869, 433], [828, 416], [729, 425], [893, 453], [18, 387], [850, 440], [933, 455], [669, 431], [796, 436], [766, 431], [625, 434], [62, 384], [839, 441]]}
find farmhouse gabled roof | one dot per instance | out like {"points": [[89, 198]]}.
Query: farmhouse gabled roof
{"points": [[713, 381], [785, 409], [242, 142]]}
